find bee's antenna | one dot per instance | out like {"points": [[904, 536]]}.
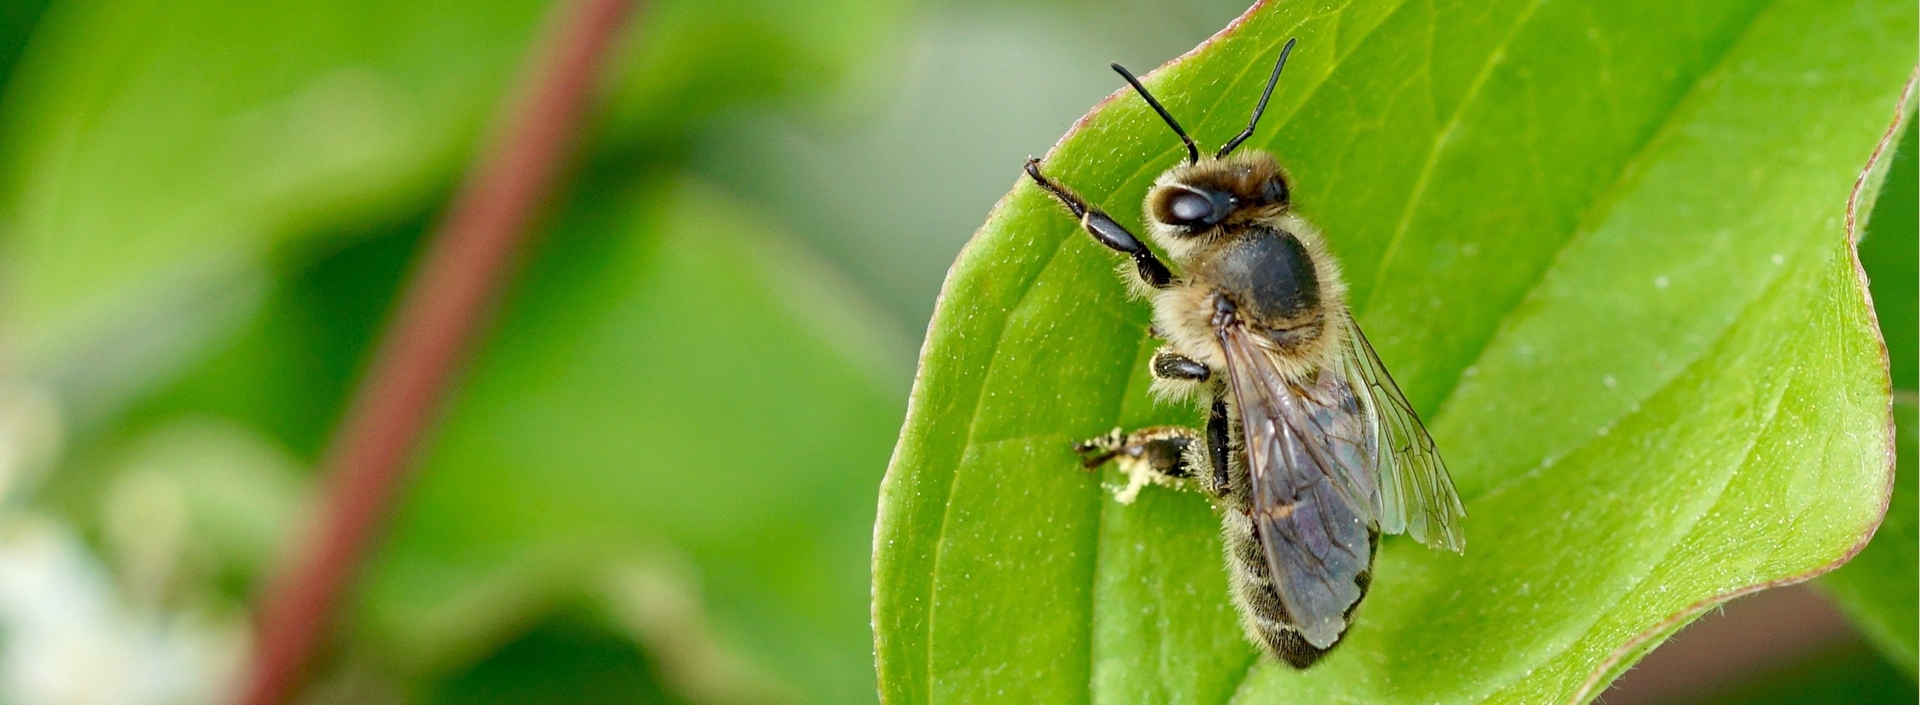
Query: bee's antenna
{"points": [[1193, 150], [1262, 107]]}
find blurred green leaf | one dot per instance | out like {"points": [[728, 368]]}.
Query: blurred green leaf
{"points": [[671, 383], [1848, 676], [177, 172], [156, 151], [1602, 251], [1880, 588], [687, 59], [289, 369], [196, 510], [562, 660], [284, 375], [17, 20]]}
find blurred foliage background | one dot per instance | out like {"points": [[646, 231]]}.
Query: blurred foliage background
{"points": [[657, 480]]}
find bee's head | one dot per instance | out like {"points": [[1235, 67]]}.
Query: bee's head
{"points": [[1191, 203], [1195, 200]]}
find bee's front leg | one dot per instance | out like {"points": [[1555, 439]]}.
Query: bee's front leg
{"points": [[1105, 230]]}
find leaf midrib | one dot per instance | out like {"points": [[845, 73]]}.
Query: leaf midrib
{"points": [[973, 423]]}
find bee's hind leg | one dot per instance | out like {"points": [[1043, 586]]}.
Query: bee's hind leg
{"points": [[1166, 455], [1157, 455], [1219, 482]]}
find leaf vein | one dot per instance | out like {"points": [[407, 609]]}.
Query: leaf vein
{"points": [[1609, 194], [1439, 142]]}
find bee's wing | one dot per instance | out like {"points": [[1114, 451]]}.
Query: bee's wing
{"points": [[1416, 494], [1311, 467]]}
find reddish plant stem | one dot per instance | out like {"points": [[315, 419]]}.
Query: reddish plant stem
{"points": [[447, 302]]}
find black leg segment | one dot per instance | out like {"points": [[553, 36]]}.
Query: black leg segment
{"points": [[1219, 444], [1105, 230], [1162, 449], [1171, 365]]}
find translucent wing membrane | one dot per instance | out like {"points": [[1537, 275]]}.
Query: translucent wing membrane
{"points": [[1330, 459], [1310, 456], [1416, 494]]}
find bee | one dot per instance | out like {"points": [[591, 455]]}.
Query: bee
{"points": [[1309, 452]]}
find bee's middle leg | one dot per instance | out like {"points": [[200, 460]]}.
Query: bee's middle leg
{"points": [[1219, 481], [1178, 376]]}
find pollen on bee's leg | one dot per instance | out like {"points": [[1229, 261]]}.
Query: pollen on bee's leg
{"points": [[1139, 473], [1108, 442], [1156, 455]]}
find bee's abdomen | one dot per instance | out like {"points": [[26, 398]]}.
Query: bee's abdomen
{"points": [[1262, 614]]}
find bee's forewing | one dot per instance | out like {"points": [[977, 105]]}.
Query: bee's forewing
{"points": [[1311, 463], [1416, 493]]}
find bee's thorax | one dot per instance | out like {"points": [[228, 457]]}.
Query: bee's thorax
{"points": [[1266, 274], [1274, 278]]}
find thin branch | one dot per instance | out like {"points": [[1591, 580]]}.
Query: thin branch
{"points": [[448, 301]]}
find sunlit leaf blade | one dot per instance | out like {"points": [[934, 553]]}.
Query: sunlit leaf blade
{"points": [[1877, 586], [1880, 588], [1600, 246]]}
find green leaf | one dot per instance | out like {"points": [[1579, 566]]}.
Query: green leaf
{"points": [[156, 152], [1600, 246], [1878, 588], [676, 389], [1848, 676], [563, 659]]}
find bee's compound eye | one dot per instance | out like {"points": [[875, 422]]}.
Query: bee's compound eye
{"points": [[1189, 207], [1276, 191]]}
